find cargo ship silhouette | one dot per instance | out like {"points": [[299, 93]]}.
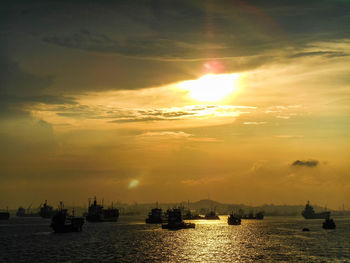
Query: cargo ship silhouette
{"points": [[309, 213]]}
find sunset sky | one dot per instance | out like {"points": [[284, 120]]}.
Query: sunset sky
{"points": [[242, 101]]}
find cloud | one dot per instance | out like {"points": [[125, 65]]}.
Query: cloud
{"points": [[19, 90], [165, 30], [176, 135], [254, 122], [309, 163], [162, 114], [142, 119], [328, 54], [179, 134], [204, 180]]}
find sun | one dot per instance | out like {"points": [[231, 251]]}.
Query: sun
{"points": [[211, 88]]}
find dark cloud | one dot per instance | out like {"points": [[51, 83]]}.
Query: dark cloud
{"points": [[328, 54], [181, 29], [13, 80], [168, 38], [309, 163], [85, 40], [19, 89]]}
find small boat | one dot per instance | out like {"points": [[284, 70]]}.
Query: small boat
{"points": [[211, 216], [328, 223], [63, 223], [156, 216], [175, 221], [233, 220]]}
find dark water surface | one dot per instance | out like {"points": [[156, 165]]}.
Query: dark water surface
{"points": [[273, 239]]}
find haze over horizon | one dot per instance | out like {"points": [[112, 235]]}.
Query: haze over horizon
{"points": [[245, 101]]}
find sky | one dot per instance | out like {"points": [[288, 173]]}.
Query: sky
{"points": [[143, 101]]}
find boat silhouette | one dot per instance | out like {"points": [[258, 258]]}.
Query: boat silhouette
{"points": [[46, 211], [156, 216], [309, 213], [257, 216], [175, 221], [211, 216], [97, 213], [328, 223], [61, 222], [22, 212], [233, 220]]}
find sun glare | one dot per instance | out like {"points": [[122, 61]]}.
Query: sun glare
{"points": [[211, 87]]}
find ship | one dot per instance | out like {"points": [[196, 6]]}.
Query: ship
{"points": [[62, 222], [5, 215], [156, 216], [97, 213], [189, 215], [309, 213], [22, 212], [175, 221], [233, 220], [257, 216], [46, 211], [211, 216], [328, 223]]}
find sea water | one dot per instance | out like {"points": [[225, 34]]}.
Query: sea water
{"points": [[274, 239]]}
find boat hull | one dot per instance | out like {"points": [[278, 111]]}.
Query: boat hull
{"points": [[322, 215], [328, 224], [62, 224], [72, 225], [234, 221]]}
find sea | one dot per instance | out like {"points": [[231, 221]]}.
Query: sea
{"points": [[274, 239]]}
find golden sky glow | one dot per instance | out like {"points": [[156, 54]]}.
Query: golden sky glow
{"points": [[211, 88], [175, 103]]}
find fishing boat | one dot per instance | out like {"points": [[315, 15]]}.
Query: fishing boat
{"points": [[309, 213], [233, 220], [97, 213], [62, 223], [175, 221]]}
